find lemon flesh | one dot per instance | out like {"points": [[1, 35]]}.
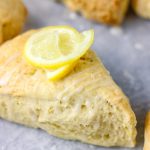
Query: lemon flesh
{"points": [[57, 46]]}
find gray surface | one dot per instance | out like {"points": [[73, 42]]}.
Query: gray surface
{"points": [[125, 52]]}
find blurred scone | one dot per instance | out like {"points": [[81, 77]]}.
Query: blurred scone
{"points": [[12, 18], [147, 132], [104, 11], [142, 8]]}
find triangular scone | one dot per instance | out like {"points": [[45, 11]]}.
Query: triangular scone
{"points": [[86, 105]]}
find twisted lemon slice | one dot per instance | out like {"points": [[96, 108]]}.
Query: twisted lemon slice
{"points": [[56, 48], [59, 73]]}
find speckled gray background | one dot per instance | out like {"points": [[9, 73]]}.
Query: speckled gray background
{"points": [[125, 52]]}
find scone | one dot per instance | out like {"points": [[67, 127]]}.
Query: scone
{"points": [[86, 105], [147, 132], [12, 18], [104, 11], [142, 8]]}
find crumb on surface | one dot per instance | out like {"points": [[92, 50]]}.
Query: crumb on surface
{"points": [[138, 46], [116, 31], [73, 16]]}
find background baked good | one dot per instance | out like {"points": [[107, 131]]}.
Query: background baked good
{"points": [[12, 18], [104, 11], [141, 7], [147, 132]]}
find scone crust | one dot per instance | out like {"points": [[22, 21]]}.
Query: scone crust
{"points": [[12, 18], [104, 11], [147, 132]]}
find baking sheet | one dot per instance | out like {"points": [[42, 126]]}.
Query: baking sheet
{"points": [[125, 51]]}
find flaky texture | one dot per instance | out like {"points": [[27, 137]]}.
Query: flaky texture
{"points": [[147, 132], [12, 18], [86, 105], [142, 8], [104, 11]]}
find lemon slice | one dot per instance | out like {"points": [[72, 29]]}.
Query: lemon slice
{"points": [[56, 74], [56, 46]]}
